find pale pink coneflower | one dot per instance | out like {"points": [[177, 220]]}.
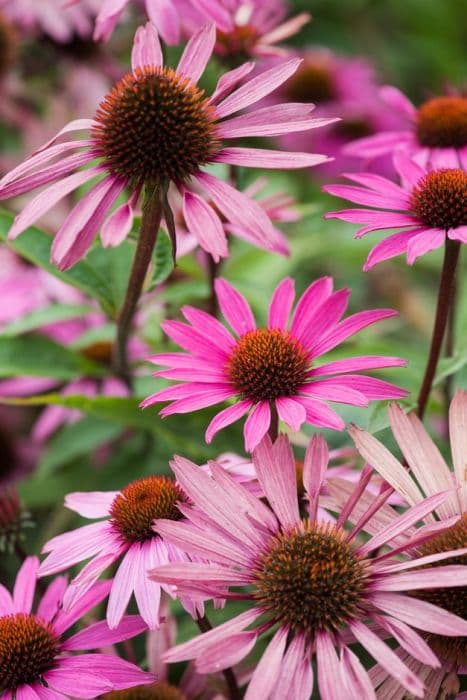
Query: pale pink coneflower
{"points": [[271, 369], [435, 134], [123, 534], [181, 133], [429, 207], [313, 587], [37, 661], [251, 27], [429, 474]]}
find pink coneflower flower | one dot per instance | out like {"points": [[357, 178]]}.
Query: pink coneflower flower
{"points": [[435, 134], [181, 132], [429, 475], [52, 18], [278, 207], [251, 27], [271, 369], [125, 536], [311, 585], [35, 659], [429, 206]]}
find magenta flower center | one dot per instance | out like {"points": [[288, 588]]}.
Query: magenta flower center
{"points": [[310, 579], [141, 502], [312, 82], [442, 122], [157, 691], [28, 647], [451, 649], [155, 125], [266, 364], [439, 199]]}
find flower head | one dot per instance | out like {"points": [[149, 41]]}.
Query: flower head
{"points": [[157, 126], [35, 656], [435, 134], [429, 206], [126, 536], [274, 367], [429, 475], [311, 585]]}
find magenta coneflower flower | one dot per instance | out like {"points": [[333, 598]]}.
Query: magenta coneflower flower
{"points": [[312, 586], [274, 368], [35, 659], [181, 133], [429, 475], [435, 134], [429, 206], [126, 536], [251, 27]]}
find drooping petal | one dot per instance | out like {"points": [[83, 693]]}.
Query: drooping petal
{"points": [[227, 417], [202, 220], [268, 668], [275, 467]]}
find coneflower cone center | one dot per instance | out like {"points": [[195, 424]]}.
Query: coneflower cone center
{"points": [[439, 198], [310, 579], [451, 649], [155, 124], [28, 647], [156, 691], [237, 42], [312, 82], [442, 122], [143, 501], [266, 364]]}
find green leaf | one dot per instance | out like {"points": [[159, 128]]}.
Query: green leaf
{"points": [[450, 365], [34, 245], [39, 356], [41, 317], [75, 440], [163, 260]]}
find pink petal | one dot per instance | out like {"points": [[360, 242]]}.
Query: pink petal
{"points": [[393, 245], [328, 667], [271, 121], [360, 195], [52, 598], [99, 634], [356, 676], [409, 640], [65, 620], [205, 323], [323, 319], [373, 146], [229, 80], [281, 304], [314, 468], [146, 48], [286, 29], [256, 425], [439, 577], [410, 173], [422, 243], [195, 342], [91, 504], [50, 174], [420, 614], [118, 225], [64, 680], [398, 101], [25, 585], [268, 668], [227, 653], [458, 234], [334, 390], [291, 412], [355, 364], [204, 223], [197, 53], [148, 593], [122, 586], [275, 467], [257, 87], [208, 398], [166, 17], [234, 307], [318, 413], [458, 436], [267, 158], [313, 297], [227, 417]]}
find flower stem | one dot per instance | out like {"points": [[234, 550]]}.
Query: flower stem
{"points": [[150, 222], [213, 273], [445, 295], [273, 431], [234, 692]]}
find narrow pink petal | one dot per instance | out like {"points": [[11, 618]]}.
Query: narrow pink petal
{"points": [[234, 307], [205, 323], [458, 234], [360, 195], [314, 296], [424, 242], [267, 158], [64, 620], [6, 601], [45, 200], [119, 673], [74, 546], [275, 467], [371, 388], [51, 174], [329, 672], [204, 223], [90, 684], [390, 247], [25, 585], [122, 587], [322, 319], [350, 326], [375, 182], [256, 425], [318, 413], [99, 634], [281, 304], [81, 225], [439, 577], [229, 80], [208, 398], [334, 390], [314, 468], [257, 87], [458, 436], [25, 692], [291, 412], [197, 53], [146, 48], [420, 614], [91, 504], [409, 640], [272, 121], [398, 101], [286, 29], [200, 646], [268, 668], [117, 226], [88, 576], [227, 653], [290, 672], [410, 172], [373, 146], [75, 125], [227, 417], [195, 342], [374, 219], [387, 658], [356, 676], [52, 598], [166, 16], [147, 592], [355, 364]]}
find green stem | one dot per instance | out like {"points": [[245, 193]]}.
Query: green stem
{"points": [[273, 431], [150, 223], [445, 296]]}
